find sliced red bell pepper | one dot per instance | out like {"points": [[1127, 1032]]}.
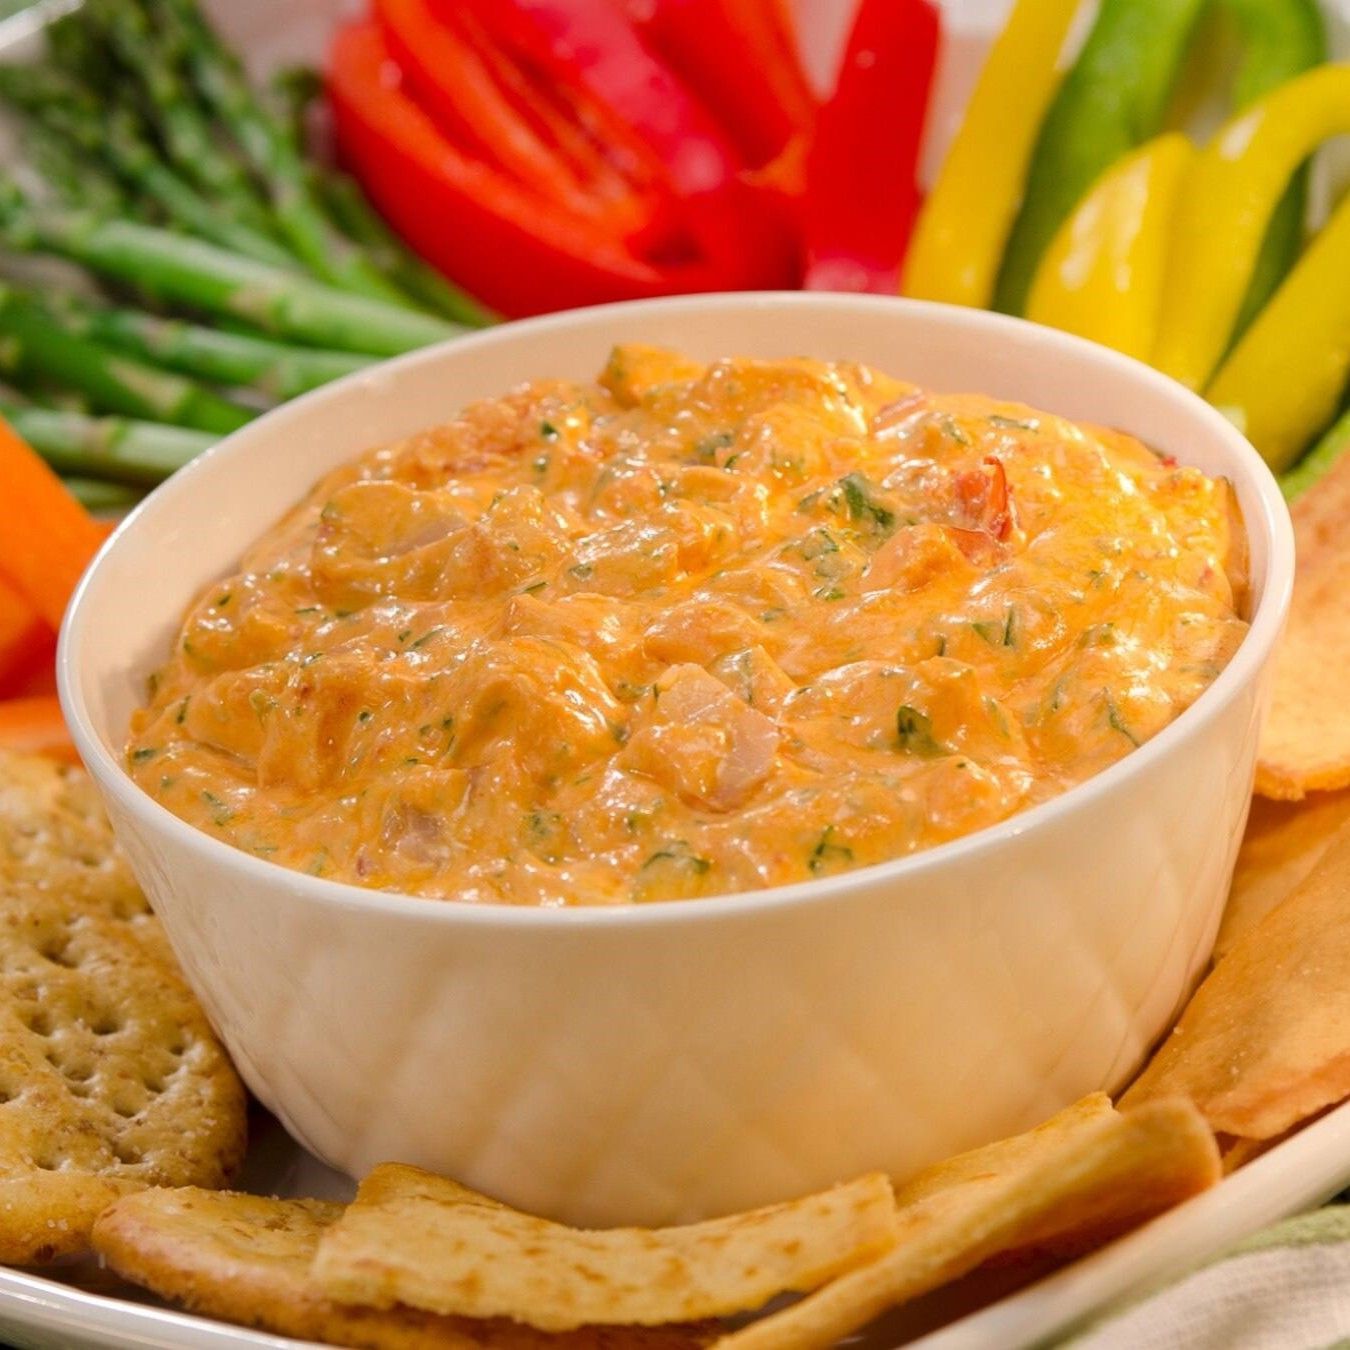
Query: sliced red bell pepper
{"points": [[740, 58], [774, 18], [25, 641], [862, 192], [488, 104], [38, 677], [624, 173], [454, 83], [591, 45], [515, 251]]}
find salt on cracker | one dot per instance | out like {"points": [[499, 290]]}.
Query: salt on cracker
{"points": [[1265, 1041], [1085, 1175], [421, 1240], [247, 1259], [1283, 843], [110, 1076], [1306, 743]]}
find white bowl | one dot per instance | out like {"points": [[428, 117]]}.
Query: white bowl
{"points": [[656, 1064]]}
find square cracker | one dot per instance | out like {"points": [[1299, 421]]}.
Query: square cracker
{"points": [[110, 1077], [247, 1260], [422, 1240]]}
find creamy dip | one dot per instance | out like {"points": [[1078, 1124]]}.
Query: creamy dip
{"points": [[690, 630]]}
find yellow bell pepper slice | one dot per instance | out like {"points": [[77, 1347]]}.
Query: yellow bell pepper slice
{"points": [[1283, 382], [959, 236], [1229, 196], [1102, 276]]}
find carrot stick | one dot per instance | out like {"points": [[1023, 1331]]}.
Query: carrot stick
{"points": [[34, 726], [46, 537]]}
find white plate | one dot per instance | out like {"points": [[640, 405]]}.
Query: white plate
{"points": [[79, 1307]]}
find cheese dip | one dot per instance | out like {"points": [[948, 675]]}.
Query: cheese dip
{"points": [[690, 630]]}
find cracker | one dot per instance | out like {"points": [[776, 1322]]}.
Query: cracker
{"points": [[1265, 1042], [55, 838], [1305, 746], [1283, 843], [247, 1259], [1004, 1155], [110, 1077], [1236, 1153], [1082, 1177], [418, 1239]]}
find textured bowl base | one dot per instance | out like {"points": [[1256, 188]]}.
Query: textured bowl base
{"points": [[666, 1062]]}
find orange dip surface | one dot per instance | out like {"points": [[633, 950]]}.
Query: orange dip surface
{"points": [[687, 631]]}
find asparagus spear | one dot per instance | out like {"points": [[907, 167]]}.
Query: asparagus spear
{"points": [[117, 448], [349, 206], [190, 272], [69, 173], [264, 141], [350, 209], [96, 495], [273, 369], [64, 107], [138, 163], [34, 343], [51, 394], [183, 124], [297, 89], [71, 45], [81, 179]]}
